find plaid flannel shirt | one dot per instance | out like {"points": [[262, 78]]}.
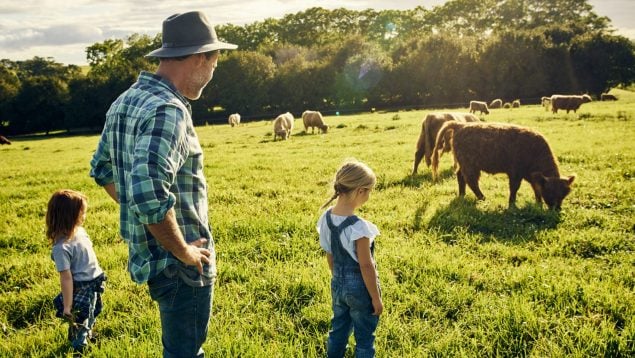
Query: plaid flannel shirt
{"points": [[149, 149]]}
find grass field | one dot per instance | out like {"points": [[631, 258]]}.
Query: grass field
{"points": [[459, 277]]}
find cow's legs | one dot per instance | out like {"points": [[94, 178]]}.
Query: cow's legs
{"points": [[418, 157], [461, 180], [537, 192], [514, 184], [471, 178]]}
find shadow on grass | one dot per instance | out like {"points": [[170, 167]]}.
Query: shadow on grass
{"points": [[513, 225], [415, 181]]}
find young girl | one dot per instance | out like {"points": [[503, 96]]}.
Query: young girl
{"points": [[81, 278], [349, 244]]}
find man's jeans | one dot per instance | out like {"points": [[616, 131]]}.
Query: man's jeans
{"points": [[352, 310], [185, 313]]}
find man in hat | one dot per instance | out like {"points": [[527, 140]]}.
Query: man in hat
{"points": [[150, 161]]}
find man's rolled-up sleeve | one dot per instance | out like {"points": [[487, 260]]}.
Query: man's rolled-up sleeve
{"points": [[100, 164], [160, 150]]}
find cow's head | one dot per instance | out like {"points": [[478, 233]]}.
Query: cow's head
{"points": [[553, 190], [325, 128], [586, 98]]}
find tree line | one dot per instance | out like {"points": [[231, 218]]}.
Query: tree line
{"points": [[346, 60]]}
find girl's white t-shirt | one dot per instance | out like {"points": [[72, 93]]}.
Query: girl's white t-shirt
{"points": [[360, 229]]}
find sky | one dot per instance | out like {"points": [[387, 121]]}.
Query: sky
{"points": [[63, 29]]}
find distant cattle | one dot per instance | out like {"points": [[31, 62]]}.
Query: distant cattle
{"points": [[519, 152], [607, 97], [497, 103], [516, 103], [545, 102], [478, 106], [282, 126], [314, 119], [429, 128], [4, 140], [568, 103], [234, 119], [507, 105]]}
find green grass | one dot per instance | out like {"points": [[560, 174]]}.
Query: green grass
{"points": [[459, 277]]}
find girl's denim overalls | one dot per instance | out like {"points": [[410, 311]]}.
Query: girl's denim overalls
{"points": [[352, 305]]}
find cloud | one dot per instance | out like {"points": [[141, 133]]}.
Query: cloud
{"points": [[54, 35]]}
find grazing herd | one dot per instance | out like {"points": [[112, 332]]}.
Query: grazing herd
{"points": [[519, 152]]}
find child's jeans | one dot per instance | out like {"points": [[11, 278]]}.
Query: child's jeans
{"points": [[352, 310], [185, 313]]}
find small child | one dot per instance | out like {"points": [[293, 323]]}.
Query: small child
{"points": [[81, 278], [349, 243]]}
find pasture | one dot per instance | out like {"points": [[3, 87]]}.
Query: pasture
{"points": [[459, 277]]}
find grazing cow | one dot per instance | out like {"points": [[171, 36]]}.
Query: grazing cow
{"points": [[519, 152], [545, 102], [507, 105], [282, 126], [516, 103], [607, 97], [429, 128], [568, 103], [4, 140], [478, 106], [497, 103], [314, 119], [234, 119]]}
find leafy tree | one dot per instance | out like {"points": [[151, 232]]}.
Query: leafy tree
{"points": [[124, 61], [436, 69], [240, 85], [39, 106], [46, 67], [89, 99], [602, 61], [512, 66], [9, 89]]}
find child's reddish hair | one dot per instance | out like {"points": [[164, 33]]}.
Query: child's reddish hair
{"points": [[64, 213]]}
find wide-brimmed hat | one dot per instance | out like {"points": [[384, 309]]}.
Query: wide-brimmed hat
{"points": [[187, 34]]}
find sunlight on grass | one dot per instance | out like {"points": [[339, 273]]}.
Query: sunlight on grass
{"points": [[459, 277]]}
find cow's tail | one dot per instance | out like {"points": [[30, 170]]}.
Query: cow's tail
{"points": [[448, 129]]}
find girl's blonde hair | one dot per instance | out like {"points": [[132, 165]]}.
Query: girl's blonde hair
{"points": [[64, 213], [351, 176]]}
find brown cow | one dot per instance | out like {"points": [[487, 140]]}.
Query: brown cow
{"points": [[519, 152], [568, 103], [4, 140], [429, 128], [608, 97]]}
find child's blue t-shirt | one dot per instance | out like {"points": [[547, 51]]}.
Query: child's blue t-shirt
{"points": [[77, 255], [360, 229]]}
